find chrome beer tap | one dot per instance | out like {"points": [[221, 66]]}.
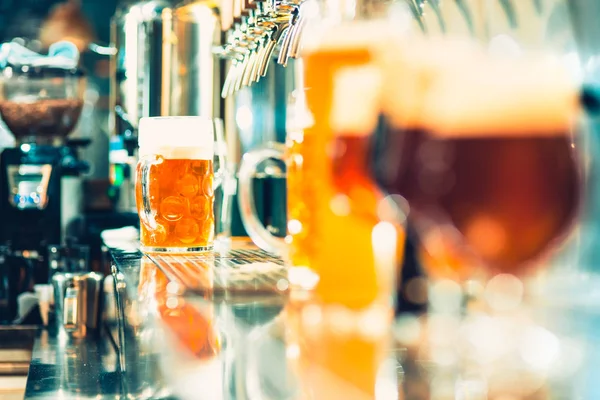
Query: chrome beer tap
{"points": [[297, 35], [281, 20], [258, 29]]}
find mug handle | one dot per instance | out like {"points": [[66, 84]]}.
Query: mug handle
{"points": [[256, 230], [143, 189], [220, 147]]}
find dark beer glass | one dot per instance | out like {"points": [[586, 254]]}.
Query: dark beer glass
{"points": [[486, 157]]}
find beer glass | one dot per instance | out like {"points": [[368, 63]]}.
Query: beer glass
{"points": [[491, 175], [354, 234], [175, 184], [332, 203]]}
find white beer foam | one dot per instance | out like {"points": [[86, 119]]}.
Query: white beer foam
{"points": [[348, 36], [177, 153], [355, 107], [533, 97], [187, 137], [411, 67]]}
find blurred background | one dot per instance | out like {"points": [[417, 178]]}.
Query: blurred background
{"points": [[39, 23]]}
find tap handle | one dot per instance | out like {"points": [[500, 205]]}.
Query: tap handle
{"points": [[228, 80], [247, 76], [266, 56], [284, 54], [254, 74], [297, 37]]}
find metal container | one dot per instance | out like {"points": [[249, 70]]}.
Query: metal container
{"points": [[136, 68], [191, 82], [78, 302]]}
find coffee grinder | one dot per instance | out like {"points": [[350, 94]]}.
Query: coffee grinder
{"points": [[40, 178]]}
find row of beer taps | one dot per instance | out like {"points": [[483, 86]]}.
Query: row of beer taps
{"points": [[255, 29]]}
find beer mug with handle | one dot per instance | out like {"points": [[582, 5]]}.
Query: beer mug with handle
{"points": [[329, 243], [251, 161], [175, 184]]}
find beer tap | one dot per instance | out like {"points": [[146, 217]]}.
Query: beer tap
{"points": [[247, 50], [257, 28], [250, 65], [226, 52], [235, 49], [232, 50], [249, 39], [297, 35], [243, 50], [282, 21], [287, 39], [265, 26], [291, 42]]}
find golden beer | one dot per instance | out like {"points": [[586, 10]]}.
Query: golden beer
{"points": [[181, 198], [336, 248], [174, 189]]}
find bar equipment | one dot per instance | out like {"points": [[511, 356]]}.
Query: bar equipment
{"points": [[191, 68], [78, 302], [40, 178], [254, 31]]}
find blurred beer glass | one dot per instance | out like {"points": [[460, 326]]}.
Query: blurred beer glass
{"points": [[334, 209], [485, 150], [487, 159], [175, 184]]}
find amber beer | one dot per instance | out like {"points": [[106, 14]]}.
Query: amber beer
{"points": [[174, 187], [490, 163], [311, 181]]}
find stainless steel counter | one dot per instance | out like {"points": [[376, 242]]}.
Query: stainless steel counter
{"points": [[223, 327], [90, 368], [220, 327], [113, 364], [221, 313], [64, 368]]}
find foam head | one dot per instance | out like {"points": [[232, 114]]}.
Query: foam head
{"points": [[177, 137], [356, 100], [350, 35], [510, 97], [410, 68]]}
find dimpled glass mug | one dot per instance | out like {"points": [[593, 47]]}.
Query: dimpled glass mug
{"points": [[175, 184]]}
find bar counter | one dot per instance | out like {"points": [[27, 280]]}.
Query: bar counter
{"points": [[135, 358], [64, 368], [217, 327]]}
